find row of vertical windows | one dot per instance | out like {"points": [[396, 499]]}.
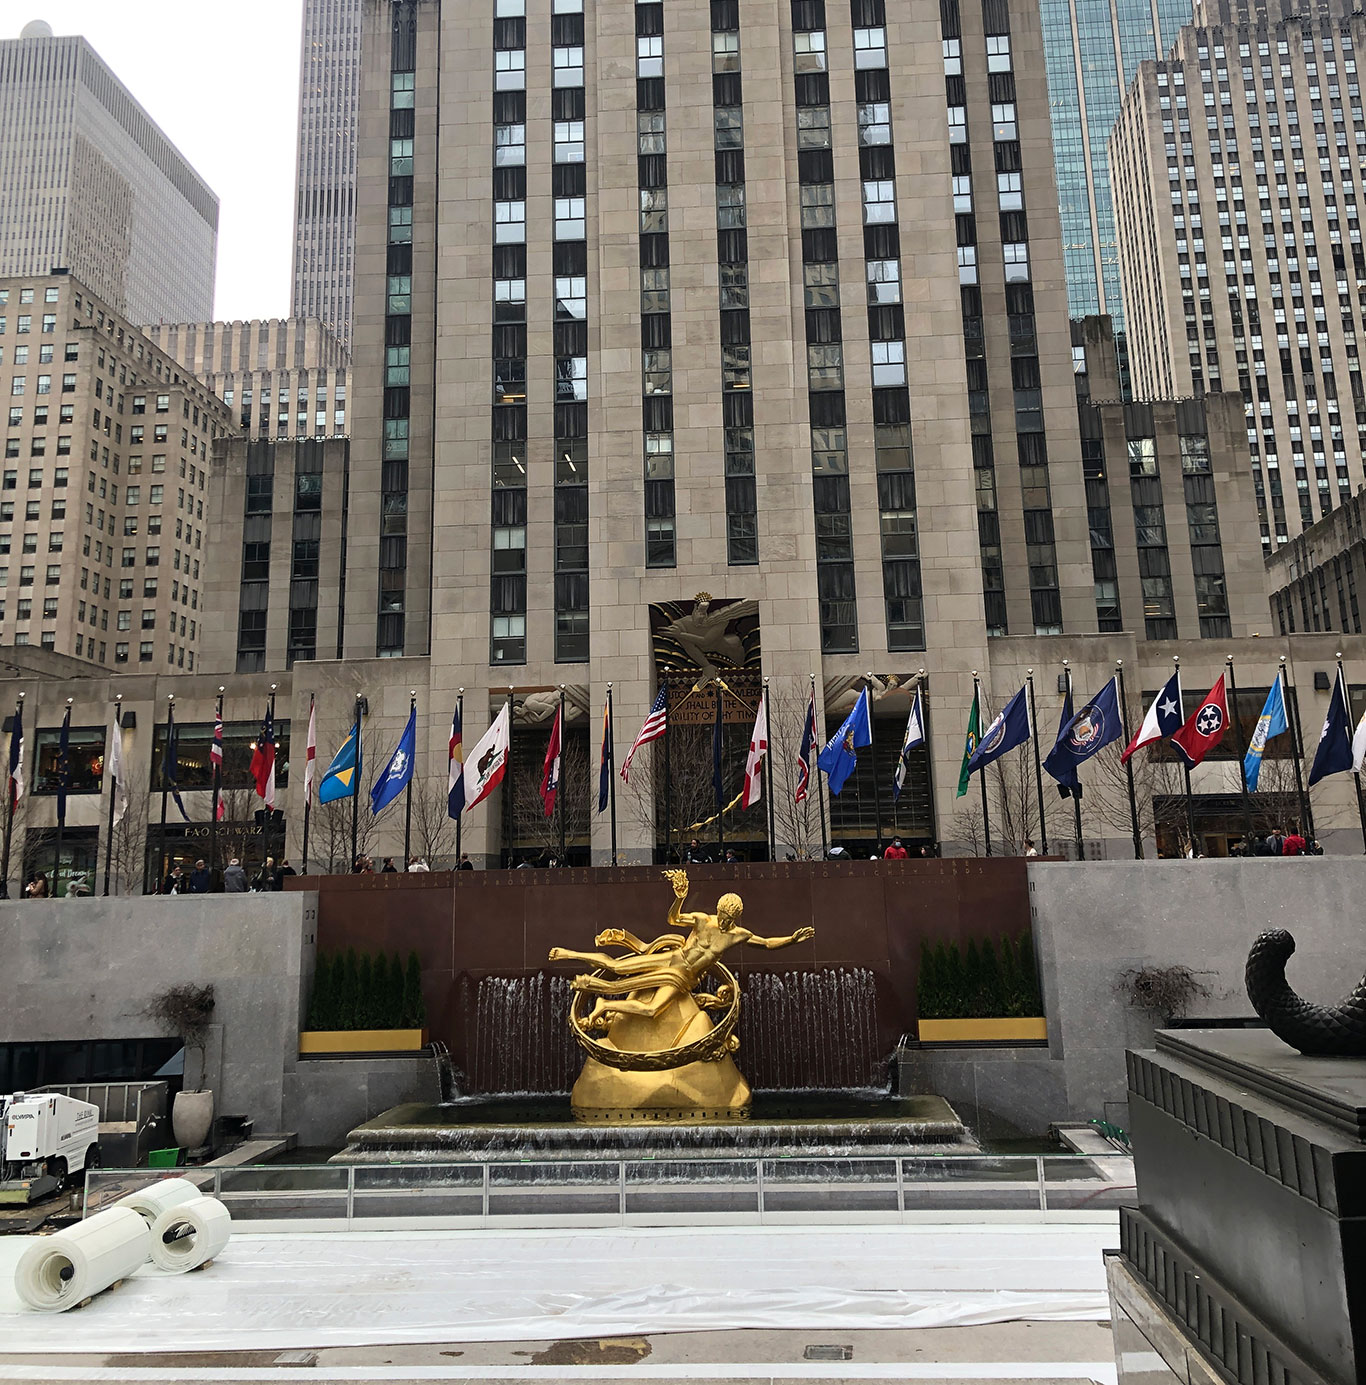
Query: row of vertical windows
{"points": [[835, 587], [898, 518], [398, 333], [508, 499], [656, 322], [732, 250], [568, 180]]}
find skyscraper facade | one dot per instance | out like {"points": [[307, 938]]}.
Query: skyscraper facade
{"points": [[1237, 164], [325, 192], [1092, 49], [88, 183]]}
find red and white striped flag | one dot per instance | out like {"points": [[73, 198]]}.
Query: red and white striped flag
{"points": [[311, 754], [216, 747], [653, 727]]}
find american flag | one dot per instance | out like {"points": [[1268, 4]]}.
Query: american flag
{"points": [[804, 754], [653, 727]]}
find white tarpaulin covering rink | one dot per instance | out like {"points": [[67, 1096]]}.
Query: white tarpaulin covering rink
{"points": [[359, 1288]]}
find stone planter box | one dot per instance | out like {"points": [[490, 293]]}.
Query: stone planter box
{"points": [[361, 1040], [1026, 1029]]}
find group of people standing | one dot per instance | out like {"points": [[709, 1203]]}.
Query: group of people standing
{"points": [[200, 879]]}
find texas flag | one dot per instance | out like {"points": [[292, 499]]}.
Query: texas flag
{"points": [[1206, 727], [1163, 718]]}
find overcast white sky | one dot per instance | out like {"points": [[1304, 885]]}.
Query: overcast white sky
{"points": [[221, 78]]}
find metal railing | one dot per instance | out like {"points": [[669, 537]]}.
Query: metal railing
{"points": [[619, 1192]]}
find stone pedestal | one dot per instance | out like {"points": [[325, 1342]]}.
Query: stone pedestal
{"points": [[1248, 1249]]}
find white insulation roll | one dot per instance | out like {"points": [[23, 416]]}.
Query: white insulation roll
{"points": [[58, 1272], [190, 1235], [150, 1202]]}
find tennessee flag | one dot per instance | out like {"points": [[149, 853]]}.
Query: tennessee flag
{"points": [[1205, 729]]}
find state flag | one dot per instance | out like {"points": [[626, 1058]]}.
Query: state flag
{"points": [[1270, 724], [1011, 728], [757, 758], [1205, 728], [839, 758], [1094, 727], [398, 773], [550, 771], [1163, 718], [455, 774], [489, 758], [915, 735], [1334, 753], [804, 754]]}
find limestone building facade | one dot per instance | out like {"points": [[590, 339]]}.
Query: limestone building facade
{"points": [[325, 186], [90, 184], [104, 506], [280, 377], [1236, 165]]}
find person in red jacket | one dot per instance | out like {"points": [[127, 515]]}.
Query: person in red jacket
{"points": [[895, 852], [1293, 845]]}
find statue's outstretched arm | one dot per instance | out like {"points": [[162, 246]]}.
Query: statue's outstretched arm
{"points": [[802, 935]]}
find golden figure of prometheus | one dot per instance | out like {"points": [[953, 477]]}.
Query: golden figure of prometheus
{"points": [[653, 1050]]}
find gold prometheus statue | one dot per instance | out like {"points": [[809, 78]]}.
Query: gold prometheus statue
{"points": [[654, 1050]]}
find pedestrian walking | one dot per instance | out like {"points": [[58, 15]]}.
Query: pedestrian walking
{"points": [[234, 878]]}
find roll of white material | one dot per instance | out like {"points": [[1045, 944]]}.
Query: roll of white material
{"points": [[61, 1271], [150, 1202], [187, 1236]]}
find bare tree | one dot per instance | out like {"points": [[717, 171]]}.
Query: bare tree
{"points": [[329, 824], [433, 826], [966, 826], [797, 826], [1013, 795], [576, 798], [128, 857]]}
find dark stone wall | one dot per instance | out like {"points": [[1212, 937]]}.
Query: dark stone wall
{"points": [[467, 926]]}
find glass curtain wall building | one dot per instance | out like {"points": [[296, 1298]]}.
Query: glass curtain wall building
{"points": [[1092, 49]]}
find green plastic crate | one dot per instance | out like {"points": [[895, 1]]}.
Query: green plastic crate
{"points": [[163, 1158]]}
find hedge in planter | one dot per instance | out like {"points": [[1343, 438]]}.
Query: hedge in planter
{"points": [[359, 992], [989, 982]]}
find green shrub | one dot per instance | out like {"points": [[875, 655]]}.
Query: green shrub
{"points": [[414, 1007], [377, 1011], [394, 1003], [979, 981], [320, 1002], [348, 993]]}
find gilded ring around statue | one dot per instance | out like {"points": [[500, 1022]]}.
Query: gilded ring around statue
{"points": [[719, 1042]]}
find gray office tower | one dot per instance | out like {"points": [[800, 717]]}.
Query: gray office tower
{"points": [[1092, 49], [88, 183], [325, 193]]}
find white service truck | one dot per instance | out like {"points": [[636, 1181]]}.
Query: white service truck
{"points": [[45, 1138]]}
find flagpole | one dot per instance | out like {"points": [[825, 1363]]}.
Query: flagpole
{"points": [[820, 792], [460, 716], [217, 789], [1076, 792], [508, 801], [929, 752], [408, 788], [982, 773], [9, 800], [308, 788], [63, 780], [355, 787], [1297, 746], [1128, 766], [113, 797], [612, 769], [1038, 768], [1356, 775], [267, 832], [668, 778], [719, 772], [768, 777], [161, 832], [1190, 800], [872, 746], [559, 787], [1242, 753]]}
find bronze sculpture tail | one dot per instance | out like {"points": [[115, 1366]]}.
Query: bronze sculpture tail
{"points": [[1338, 1030]]}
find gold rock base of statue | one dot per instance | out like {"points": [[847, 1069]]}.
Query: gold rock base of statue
{"points": [[697, 1091], [654, 1051]]}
